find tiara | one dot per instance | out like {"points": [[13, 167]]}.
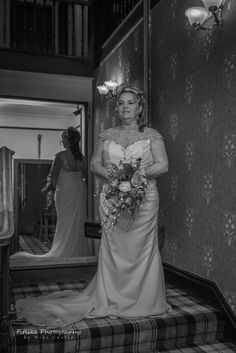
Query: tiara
{"points": [[133, 90]]}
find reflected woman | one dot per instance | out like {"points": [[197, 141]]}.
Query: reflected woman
{"points": [[66, 178]]}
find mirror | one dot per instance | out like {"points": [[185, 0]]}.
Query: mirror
{"points": [[33, 130]]}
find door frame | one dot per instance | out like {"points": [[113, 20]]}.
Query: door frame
{"points": [[17, 162]]}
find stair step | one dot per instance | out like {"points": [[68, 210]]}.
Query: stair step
{"points": [[220, 347], [191, 322]]}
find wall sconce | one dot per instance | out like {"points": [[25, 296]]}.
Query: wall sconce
{"points": [[198, 15], [77, 111], [108, 89]]}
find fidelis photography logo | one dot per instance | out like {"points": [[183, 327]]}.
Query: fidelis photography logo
{"points": [[46, 334]]}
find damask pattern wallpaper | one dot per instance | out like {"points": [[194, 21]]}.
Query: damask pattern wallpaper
{"points": [[194, 108], [123, 65]]}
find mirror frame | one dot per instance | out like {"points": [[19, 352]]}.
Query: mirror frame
{"points": [[88, 150]]}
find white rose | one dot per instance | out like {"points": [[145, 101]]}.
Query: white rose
{"points": [[125, 186], [138, 178]]}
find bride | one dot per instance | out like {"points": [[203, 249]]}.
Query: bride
{"points": [[129, 282], [70, 199]]}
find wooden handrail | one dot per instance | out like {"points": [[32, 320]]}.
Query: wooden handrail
{"points": [[6, 233], [108, 15]]}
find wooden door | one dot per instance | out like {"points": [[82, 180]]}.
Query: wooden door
{"points": [[29, 178]]}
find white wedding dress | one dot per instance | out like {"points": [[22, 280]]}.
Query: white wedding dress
{"points": [[129, 282], [70, 202]]}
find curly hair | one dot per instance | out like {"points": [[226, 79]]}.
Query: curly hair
{"points": [[139, 96], [73, 137]]}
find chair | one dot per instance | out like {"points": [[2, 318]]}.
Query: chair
{"points": [[48, 222]]}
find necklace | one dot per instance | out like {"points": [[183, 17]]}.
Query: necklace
{"points": [[128, 130], [125, 137]]}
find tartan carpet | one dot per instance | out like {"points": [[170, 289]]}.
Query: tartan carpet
{"points": [[220, 347], [192, 323], [34, 245]]}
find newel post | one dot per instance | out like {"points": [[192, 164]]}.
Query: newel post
{"points": [[6, 233]]}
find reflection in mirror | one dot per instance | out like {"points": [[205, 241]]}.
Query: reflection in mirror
{"points": [[33, 235], [34, 130]]}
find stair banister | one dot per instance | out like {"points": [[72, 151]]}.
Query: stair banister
{"points": [[6, 233]]}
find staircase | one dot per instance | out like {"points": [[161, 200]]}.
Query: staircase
{"points": [[194, 325]]}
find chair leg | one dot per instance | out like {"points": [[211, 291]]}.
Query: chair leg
{"points": [[46, 229], [41, 231]]}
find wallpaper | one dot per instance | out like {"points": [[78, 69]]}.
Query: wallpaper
{"points": [[123, 65], [194, 108]]}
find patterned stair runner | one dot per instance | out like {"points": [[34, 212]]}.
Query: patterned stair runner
{"points": [[220, 347], [192, 323]]}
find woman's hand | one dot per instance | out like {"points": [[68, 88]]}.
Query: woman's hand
{"points": [[49, 185], [144, 164], [111, 172], [159, 162]]}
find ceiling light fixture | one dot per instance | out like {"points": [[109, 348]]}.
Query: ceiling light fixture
{"points": [[198, 16]]}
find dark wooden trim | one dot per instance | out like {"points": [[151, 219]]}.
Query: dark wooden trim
{"points": [[32, 161], [5, 239], [204, 288], [15, 238], [11, 59], [67, 271], [29, 128], [129, 22], [146, 54], [4, 96], [4, 297], [154, 3], [138, 7], [139, 23], [77, 2], [134, 16]]}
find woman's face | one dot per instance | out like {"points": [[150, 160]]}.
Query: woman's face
{"points": [[128, 108], [64, 140]]}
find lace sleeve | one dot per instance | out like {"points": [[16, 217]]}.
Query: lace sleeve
{"points": [[152, 134]]}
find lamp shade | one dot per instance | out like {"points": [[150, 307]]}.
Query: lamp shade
{"points": [[102, 89], [197, 15], [111, 85], [210, 3]]}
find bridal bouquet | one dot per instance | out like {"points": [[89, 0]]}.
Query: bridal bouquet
{"points": [[50, 190], [126, 190]]}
